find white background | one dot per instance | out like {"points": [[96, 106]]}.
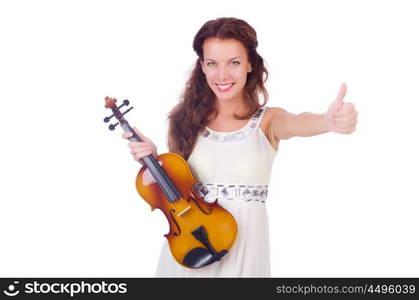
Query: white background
{"points": [[339, 205]]}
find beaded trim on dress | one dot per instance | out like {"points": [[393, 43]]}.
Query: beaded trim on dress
{"points": [[241, 192], [240, 134]]}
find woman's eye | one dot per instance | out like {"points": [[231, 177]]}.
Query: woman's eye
{"points": [[210, 63], [236, 63]]}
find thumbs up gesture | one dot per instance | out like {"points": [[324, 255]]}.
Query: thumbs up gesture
{"points": [[341, 117]]}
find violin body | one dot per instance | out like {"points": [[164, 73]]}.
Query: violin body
{"points": [[201, 233], [188, 214]]}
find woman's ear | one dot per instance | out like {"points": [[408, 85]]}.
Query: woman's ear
{"points": [[249, 68]]}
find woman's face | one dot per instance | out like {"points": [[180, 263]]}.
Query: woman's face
{"points": [[225, 66]]}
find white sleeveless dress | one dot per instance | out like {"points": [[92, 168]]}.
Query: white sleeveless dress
{"points": [[235, 168]]}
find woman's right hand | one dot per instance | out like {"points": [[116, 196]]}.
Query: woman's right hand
{"points": [[140, 149]]}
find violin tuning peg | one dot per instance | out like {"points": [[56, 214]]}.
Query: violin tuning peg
{"points": [[112, 126], [124, 103], [127, 110]]}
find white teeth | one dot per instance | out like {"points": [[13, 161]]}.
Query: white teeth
{"points": [[225, 86]]}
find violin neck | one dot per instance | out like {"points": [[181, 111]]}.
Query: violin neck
{"points": [[127, 128], [159, 175]]}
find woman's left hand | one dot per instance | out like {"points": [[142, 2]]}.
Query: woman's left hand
{"points": [[341, 117]]}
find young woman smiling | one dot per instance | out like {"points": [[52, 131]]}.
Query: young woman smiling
{"points": [[230, 139]]}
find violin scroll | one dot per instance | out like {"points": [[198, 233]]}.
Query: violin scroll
{"points": [[111, 104]]}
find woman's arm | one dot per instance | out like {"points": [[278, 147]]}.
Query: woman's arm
{"points": [[340, 118], [286, 125]]}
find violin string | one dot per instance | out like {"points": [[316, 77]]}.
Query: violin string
{"points": [[173, 206]]}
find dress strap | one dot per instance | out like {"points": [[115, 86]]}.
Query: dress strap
{"points": [[258, 116]]}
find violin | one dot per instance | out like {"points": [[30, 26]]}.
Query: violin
{"points": [[201, 233]]}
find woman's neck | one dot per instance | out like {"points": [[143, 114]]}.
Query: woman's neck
{"points": [[227, 109]]}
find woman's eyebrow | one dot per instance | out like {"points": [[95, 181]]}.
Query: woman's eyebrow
{"points": [[228, 60]]}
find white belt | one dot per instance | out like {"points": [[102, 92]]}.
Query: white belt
{"points": [[212, 191]]}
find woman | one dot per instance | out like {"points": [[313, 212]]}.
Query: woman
{"points": [[230, 141]]}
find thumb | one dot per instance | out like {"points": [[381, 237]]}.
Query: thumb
{"points": [[339, 99]]}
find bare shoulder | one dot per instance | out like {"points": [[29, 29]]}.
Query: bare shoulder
{"points": [[276, 112], [272, 115]]}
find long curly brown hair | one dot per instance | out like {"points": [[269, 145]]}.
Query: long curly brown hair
{"points": [[192, 114]]}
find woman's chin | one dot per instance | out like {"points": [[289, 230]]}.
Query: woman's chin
{"points": [[224, 97]]}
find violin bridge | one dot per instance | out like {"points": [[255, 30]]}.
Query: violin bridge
{"points": [[183, 211]]}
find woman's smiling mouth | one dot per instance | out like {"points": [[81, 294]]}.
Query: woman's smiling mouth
{"points": [[224, 87]]}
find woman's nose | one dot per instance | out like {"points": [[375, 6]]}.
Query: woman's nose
{"points": [[222, 74]]}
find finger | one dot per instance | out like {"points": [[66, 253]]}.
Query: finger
{"points": [[339, 99], [347, 125], [348, 107], [137, 144], [353, 124], [140, 155], [126, 135], [346, 116], [344, 122], [141, 149], [348, 130]]}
